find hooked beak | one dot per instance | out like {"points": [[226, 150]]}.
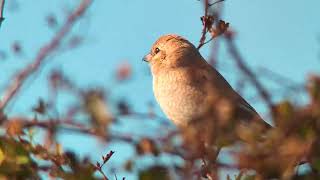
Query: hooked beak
{"points": [[147, 58]]}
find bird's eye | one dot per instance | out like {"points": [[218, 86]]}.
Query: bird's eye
{"points": [[156, 50]]}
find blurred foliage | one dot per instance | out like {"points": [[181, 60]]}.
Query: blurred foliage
{"points": [[21, 160], [293, 140], [154, 173]]}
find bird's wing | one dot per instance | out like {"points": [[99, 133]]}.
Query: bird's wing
{"points": [[215, 83]]}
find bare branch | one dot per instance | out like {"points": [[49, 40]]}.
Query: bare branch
{"points": [[99, 166], [44, 52], [279, 78], [204, 29], [211, 25], [211, 4]]}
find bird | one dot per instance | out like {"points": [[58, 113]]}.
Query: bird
{"points": [[192, 93]]}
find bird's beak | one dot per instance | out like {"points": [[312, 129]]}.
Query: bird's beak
{"points": [[147, 58]]}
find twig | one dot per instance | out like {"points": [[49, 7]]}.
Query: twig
{"points": [[204, 29], [215, 2], [71, 126], [1, 11], [52, 123], [206, 42], [208, 21], [278, 78], [105, 159], [44, 52], [163, 121]]}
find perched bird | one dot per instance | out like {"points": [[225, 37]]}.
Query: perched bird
{"points": [[189, 90]]}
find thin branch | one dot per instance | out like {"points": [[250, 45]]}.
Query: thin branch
{"points": [[204, 43], [204, 28], [1, 11], [163, 121], [44, 52], [208, 21], [219, 1], [72, 126], [279, 78], [99, 166]]}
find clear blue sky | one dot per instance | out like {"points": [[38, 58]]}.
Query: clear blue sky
{"points": [[280, 35]]}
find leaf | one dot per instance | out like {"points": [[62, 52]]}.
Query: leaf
{"points": [[240, 175], [155, 173], [59, 149], [123, 71], [316, 164], [123, 107], [16, 48], [146, 146], [41, 107], [128, 166], [22, 160], [228, 177], [51, 20], [75, 41], [14, 127], [314, 88], [285, 114], [98, 110], [2, 156]]}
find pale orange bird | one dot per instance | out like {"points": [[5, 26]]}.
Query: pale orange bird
{"points": [[187, 88]]}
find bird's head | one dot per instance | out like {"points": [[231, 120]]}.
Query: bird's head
{"points": [[171, 51]]}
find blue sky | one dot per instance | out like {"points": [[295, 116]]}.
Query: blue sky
{"points": [[280, 35]]}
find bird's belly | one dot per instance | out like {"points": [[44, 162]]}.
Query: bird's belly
{"points": [[179, 101]]}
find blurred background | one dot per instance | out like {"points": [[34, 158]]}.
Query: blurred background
{"points": [[279, 40]]}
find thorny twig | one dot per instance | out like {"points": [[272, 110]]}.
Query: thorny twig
{"points": [[105, 159], [44, 52], [204, 28], [208, 21]]}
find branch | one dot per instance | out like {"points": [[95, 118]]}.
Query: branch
{"points": [[44, 52], [1, 11], [220, 28], [71, 126], [208, 22], [215, 3], [205, 26], [99, 166], [279, 78]]}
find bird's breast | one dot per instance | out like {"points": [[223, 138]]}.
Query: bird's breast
{"points": [[179, 99]]}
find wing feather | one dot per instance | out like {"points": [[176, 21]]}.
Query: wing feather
{"points": [[217, 85]]}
